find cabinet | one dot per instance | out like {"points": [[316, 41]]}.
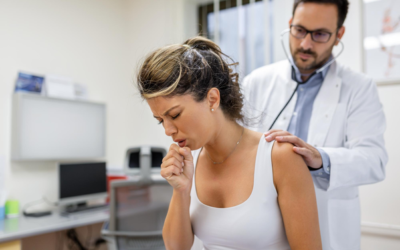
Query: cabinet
{"points": [[45, 128]]}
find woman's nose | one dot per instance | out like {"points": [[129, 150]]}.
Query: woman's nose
{"points": [[169, 128]]}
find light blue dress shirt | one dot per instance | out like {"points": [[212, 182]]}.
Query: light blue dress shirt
{"points": [[300, 121]]}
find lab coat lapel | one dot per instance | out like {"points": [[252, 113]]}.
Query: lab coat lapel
{"points": [[324, 107]]}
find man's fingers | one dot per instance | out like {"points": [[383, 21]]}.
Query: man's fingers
{"points": [[308, 157], [273, 135], [272, 131], [302, 151], [292, 139]]}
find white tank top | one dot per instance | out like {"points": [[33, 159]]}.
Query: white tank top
{"points": [[254, 224]]}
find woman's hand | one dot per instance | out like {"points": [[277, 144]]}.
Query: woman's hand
{"points": [[177, 168]]}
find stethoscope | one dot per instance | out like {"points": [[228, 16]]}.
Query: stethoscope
{"points": [[294, 72]]}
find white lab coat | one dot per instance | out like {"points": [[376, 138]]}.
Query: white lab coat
{"points": [[347, 122]]}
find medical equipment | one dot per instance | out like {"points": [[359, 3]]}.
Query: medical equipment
{"points": [[293, 72]]}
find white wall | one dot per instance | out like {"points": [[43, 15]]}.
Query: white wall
{"points": [[97, 42], [380, 203], [282, 12], [82, 39]]}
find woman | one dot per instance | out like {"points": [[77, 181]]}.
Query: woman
{"points": [[234, 190]]}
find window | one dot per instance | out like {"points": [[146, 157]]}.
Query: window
{"points": [[241, 31]]}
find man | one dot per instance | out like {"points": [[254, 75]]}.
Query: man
{"points": [[335, 120]]}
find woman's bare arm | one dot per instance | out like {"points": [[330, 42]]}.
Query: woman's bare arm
{"points": [[296, 197], [177, 231]]}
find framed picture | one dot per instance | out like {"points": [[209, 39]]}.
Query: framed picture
{"points": [[382, 40], [29, 83]]}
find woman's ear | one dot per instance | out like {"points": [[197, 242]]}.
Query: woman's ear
{"points": [[213, 98]]}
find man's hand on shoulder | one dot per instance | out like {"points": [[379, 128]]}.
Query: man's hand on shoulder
{"points": [[310, 154]]}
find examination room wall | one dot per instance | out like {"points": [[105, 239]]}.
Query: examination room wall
{"points": [[96, 42], [99, 44], [380, 203]]}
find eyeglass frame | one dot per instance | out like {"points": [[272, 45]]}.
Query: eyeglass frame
{"points": [[311, 32]]}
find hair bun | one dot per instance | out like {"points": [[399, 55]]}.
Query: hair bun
{"points": [[201, 46], [173, 70]]}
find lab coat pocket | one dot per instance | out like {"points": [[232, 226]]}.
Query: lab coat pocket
{"points": [[344, 224]]}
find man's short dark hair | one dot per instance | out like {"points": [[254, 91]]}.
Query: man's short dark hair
{"points": [[342, 6]]}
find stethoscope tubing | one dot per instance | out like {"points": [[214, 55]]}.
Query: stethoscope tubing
{"points": [[294, 91]]}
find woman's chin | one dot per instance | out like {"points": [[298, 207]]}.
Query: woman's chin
{"points": [[192, 146]]}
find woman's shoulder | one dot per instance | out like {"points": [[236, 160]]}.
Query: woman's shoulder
{"points": [[284, 156], [286, 164], [281, 149], [254, 136]]}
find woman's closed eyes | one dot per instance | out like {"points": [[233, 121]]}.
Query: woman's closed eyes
{"points": [[173, 118]]}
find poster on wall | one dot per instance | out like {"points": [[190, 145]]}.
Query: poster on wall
{"points": [[382, 40]]}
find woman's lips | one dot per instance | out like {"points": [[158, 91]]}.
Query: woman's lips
{"points": [[182, 143]]}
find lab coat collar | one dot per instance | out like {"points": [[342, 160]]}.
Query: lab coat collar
{"points": [[323, 73], [287, 76]]}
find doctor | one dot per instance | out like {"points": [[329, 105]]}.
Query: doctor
{"points": [[334, 120]]}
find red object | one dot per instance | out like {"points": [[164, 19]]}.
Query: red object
{"points": [[111, 178]]}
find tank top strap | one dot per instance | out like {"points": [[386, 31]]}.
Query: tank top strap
{"points": [[264, 178], [195, 155]]}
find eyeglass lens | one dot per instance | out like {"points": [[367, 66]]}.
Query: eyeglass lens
{"points": [[317, 36]]}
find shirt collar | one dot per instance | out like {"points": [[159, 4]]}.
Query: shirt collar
{"points": [[322, 74]]}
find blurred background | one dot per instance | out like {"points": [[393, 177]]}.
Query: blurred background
{"points": [[100, 44]]}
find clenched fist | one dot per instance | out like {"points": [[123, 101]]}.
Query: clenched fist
{"points": [[177, 168]]}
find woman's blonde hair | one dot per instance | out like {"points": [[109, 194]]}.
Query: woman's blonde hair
{"points": [[193, 67]]}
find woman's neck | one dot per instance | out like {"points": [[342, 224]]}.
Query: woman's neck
{"points": [[224, 141]]}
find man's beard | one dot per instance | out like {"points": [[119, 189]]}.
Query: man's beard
{"points": [[314, 65]]}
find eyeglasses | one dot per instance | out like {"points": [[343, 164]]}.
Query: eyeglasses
{"points": [[318, 36]]}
